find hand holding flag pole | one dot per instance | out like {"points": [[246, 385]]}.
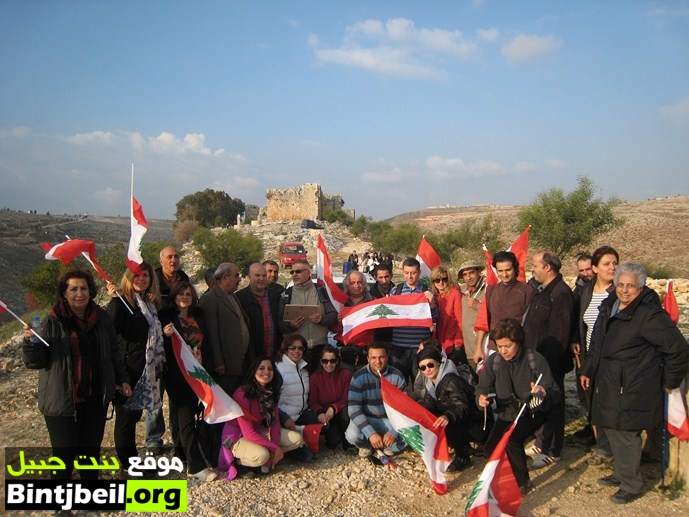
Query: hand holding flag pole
{"points": [[4, 307]]}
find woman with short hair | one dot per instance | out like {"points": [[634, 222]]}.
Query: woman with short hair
{"points": [[79, 372]]}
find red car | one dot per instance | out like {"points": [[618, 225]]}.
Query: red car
{"points": [[291, 251]]}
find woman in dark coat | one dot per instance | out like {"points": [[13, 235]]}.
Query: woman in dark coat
{"points": [[79, 371], [635, 352]]}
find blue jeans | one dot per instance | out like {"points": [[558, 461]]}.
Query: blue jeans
{"points": [[381, 425], [155, 426]]}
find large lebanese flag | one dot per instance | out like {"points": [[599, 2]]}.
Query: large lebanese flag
{"points": [[324, 272], [219, 406], [670, 303], [427, 257], [520, 248], [139, 226], [67, 251], [496, 493], [402, 310], [415, 424]]}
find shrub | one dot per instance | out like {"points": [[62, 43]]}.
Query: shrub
{"points": [[465, 241], [360, 226], [209, 208], [184, 231], [656, 271], [228, 246], [402, 239], [339, 215], [42, 281]]}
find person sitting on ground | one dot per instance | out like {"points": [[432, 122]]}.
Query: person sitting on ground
{"points": [[510, 376], [445, 393], [369, 427], [256, 438], [294, 395], [328, 392]]}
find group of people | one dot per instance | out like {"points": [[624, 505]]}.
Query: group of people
{"points": [[491, 352], [368, 262]]}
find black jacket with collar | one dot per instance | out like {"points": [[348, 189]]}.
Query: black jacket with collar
{"points": [[634, 354], [254, 314]]}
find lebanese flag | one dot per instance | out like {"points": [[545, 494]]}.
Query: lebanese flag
{"points": [[670, 303], [496, 493], [139, 226], [324, 272], [219, 406], [402, 310], [520, 247], [491, 273], [676, 418], [67, 251], [415, 424], [428, 258]]}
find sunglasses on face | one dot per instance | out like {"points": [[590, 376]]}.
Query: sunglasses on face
{"points": [[423, 367], [328, 361], [294, 347], [438, 280], [297, 271]]}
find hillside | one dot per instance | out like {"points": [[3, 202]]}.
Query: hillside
{"points": [[654, 233]]}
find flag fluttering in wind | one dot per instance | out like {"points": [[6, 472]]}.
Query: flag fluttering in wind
{"points": [[427, 257], [415, 424], [670, 303], [70, 249], [219, 406], [139, 226], [520, 248], [409, 310], [491, 274], [496, 493], [676, 419], [324, 272]]}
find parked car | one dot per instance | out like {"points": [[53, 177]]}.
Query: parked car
{"points": [[288, 252], [309, 224]]}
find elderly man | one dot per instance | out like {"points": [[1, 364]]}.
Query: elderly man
{"points": [[506, 300], [473, 289], [169, 274], [547, 327], [315, 328], [356, 289], [273, 274], [228, 331], [261, 307], [369, 428], [636, 354]]}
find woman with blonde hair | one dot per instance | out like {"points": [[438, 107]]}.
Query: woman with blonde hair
{"points": [[141, 339], [449, 299]]}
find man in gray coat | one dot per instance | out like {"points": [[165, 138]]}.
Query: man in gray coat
{"points": [[228, 331]]}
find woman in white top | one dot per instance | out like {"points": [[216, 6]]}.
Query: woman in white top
{"points": [[294, 395]]}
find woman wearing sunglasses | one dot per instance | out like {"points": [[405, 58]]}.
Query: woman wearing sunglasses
{"points": [[445, 393], [449, 299], [328, 397]]}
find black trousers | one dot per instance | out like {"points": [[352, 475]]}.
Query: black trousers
{"points": [[125, 432], [71, 436], [526, 426], [187, 439], [334, 432], [551, 438], [461, 432], [404, 359]]}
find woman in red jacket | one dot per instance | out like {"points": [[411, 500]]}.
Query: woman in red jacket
{"points": [[329, 387], [449, 299]]}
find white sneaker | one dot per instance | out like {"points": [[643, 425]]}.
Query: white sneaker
{"points": [[388, 451], [543, 460], [205, 475], [365, 452]]}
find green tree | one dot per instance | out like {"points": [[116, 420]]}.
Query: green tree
{"points": [[404, 238], [466, 239], [209, 208], [359, 226], [42, 281], [562, 222], [228, 246], [338, 215], [113, 258]]}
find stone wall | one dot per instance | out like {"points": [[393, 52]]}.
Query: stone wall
{"points": [[302, 202]]}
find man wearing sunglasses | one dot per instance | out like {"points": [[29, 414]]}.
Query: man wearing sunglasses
{"points": [[315, 328]]}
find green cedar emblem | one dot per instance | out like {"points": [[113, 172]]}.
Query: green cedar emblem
{"points": [[413, 437], [202, 375], [473, 495], [382, 311]]}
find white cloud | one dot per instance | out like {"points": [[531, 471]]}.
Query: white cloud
{"points": [[448, 168], [293, 23], [554, 163], [167, 142], [529, 47], [524, 166], [108, 195], [15, 132], [678, 112], [396, 47], [394, 175], [490, 34], [94, 137]]}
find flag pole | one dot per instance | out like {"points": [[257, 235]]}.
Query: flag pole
{"points": [[88, 259], [521, 411], [14, 315]]}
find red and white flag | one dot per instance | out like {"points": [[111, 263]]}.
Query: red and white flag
{"points": [[676, 418], [491, 273], [670, 303], [219, 406], [415, 424], [403, 310], [428, 258], [324, 272], [496, 493], [139, 226], [67, 251], [520, 248]]}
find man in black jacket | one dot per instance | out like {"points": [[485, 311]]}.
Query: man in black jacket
{"points": [[547, 328], [261, 306]]}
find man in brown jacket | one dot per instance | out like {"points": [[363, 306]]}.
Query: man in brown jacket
{"points": [[228, 332]]}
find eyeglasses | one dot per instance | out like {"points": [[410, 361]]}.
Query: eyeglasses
{"points": [[438, 280], [297, 271], [292, 347], [423, 367], [328, 361]]}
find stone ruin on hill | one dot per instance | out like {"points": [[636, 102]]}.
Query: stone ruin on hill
{"points": [[306, 201]]}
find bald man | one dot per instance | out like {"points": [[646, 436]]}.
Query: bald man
{"points": [[169, 274], [260, 303]]}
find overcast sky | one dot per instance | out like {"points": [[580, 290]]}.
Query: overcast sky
{"points": [[395, 105]]}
